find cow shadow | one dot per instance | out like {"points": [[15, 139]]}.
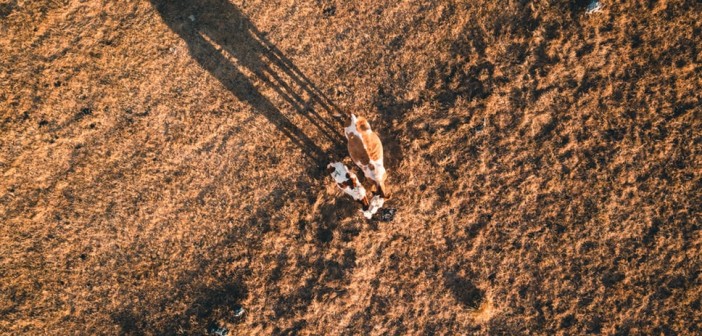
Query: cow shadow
{"points": [[228, 45]]}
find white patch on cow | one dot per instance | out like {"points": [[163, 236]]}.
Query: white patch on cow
{"points": [[351, 129], [339, 176], [377, 173]]}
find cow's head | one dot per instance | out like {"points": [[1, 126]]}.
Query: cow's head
{"points": [[362, 125]]}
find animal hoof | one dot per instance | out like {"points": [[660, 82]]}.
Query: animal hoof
{"points": [[376, 203]]}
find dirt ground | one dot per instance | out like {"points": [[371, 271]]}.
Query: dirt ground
{"points": [[162, 167]]}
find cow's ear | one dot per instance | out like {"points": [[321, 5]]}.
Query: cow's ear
{"points": [[351, 181], [330, 169]]}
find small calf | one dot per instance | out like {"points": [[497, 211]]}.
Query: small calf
{"points": [[348, 182]]}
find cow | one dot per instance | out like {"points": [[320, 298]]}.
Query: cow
{"points": [[366, 151], [348, 182]]}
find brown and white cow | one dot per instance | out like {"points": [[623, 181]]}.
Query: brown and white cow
{"points": [[348, 182], [366, 151]]}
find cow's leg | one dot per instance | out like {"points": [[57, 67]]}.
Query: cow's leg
{"points": [[373, 188], [381, 189], [364, 203]]}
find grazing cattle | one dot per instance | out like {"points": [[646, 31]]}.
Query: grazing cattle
{"points": [[348, 182], [366, 151]]}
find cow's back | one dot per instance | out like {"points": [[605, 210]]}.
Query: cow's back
{"points": [[357, 150], [374, 147]]}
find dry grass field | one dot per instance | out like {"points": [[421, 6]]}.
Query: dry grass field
{"points": [[162, 167]]}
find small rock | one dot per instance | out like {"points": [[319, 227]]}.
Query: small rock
{"points": [[594, 7], [192, 18], [219, 331]]}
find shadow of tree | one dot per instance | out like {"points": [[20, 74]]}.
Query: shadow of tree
{"points": [[217, 31], [208, 291], [226, 44], [221, 302]]}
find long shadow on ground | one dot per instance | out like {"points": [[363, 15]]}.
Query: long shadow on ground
{"points": [[216, 30], [226, 44]]}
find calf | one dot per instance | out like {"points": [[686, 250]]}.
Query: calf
{"points": [[366, 151], [348, 182]]}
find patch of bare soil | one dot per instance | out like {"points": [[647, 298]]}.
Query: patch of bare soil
{"points": [[162, 167]]}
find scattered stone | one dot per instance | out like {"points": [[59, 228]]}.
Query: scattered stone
{"points": [[593, 7], [192, 18], [219, 331]]}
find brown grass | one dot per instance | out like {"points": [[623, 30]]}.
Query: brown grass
{"points": [[160, 172]]}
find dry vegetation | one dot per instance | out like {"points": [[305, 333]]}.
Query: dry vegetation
{"points": [[162, 166]]}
